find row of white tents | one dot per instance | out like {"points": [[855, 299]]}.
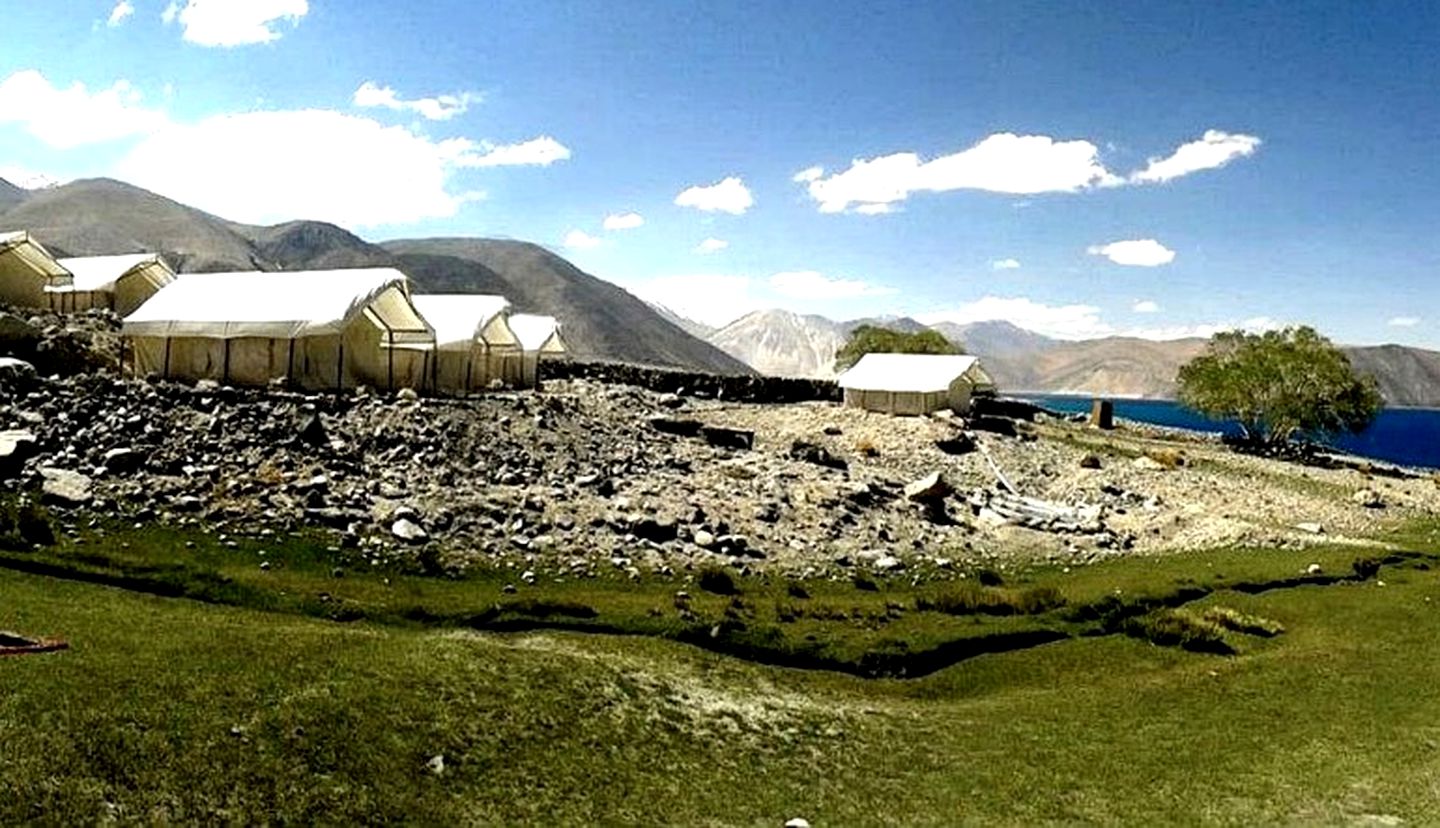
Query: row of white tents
{"points": [[322, 329]]}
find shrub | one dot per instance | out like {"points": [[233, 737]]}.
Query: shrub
{"points": [[1169, 458], [1365, 568], [718, 580], [1179, 628], [795, 590], [32, 523], [969, 598], [990, 578], [1237, 621]]}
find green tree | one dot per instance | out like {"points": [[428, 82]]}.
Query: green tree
{"points": [[1279, 385], [868, 339]]}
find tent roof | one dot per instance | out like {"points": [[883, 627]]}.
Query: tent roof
{"points": [[537, 333], [102, 272], [279, 305], [33, 253], [911, 372], [459, 318]]}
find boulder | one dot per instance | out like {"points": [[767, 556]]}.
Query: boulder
{"points": [[1148, 463], [957, 445], [930, 488], [1003, 426], [122, 460], [818, 455], [659, 530], [1369, 498], [16, 446], [678, 426], [409, 531], [1311, 528], [310, 430], [62, 487], [1090, 461], [16, 372], [731, 438]]}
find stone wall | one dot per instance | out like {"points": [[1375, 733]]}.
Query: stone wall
{"points": [[753, 389]]}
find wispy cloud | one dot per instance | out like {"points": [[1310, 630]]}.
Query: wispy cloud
{"points": [[123, 11], [1145, 306], [230, 23], [1134, 252], [580, 240], [1005, 264], [436, 108], [711, 245], [1214, 149], [1404, 321], [74, 116], [623, 221], [729, 195], [810, 284]]}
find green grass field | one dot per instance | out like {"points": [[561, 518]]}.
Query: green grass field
{"points": [[252, 704]]}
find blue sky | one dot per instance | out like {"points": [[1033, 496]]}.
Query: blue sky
{"points": [[1080, 169]]}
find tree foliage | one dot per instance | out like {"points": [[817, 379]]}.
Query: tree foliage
{"points": [[1279, 385], [868, 339]]}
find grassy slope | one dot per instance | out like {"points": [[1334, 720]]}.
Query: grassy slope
{"points": [[171, 709]]}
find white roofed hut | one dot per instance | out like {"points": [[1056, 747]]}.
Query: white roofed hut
{"points": [[472, 339], [120, 283], [28, 271], [539, 337], [323, 329], [914, 383]]}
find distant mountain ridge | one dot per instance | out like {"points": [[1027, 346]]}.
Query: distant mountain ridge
{"points": [[601, 321], [788, 344]]}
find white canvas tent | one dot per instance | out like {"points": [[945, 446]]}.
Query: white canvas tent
{"points": [[322, 329], [121, 283], [539, 336], [913, 383], [472, 339], [27, 271]]}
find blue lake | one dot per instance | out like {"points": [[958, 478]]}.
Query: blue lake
{"points": [[1408, 436]]}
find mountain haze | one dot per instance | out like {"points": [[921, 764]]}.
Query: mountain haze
{"points": [[781, 343]]}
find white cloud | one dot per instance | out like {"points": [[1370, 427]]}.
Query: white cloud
{"points": [[1005, 264], [74, 116], [1404, 322], [807, 175], [261, 167], [729, 195], [537, 152], [711, 246], [1001, 163], [233, 22], [1059, 321], [623, 221], [876, 209], [1213, 149], [122, 12], [28, 179], [1134, 252], [580, 240], [1204, 330], [715, 299], [1145, 306], [809, 284], [437, 108]]}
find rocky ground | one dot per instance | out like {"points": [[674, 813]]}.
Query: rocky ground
{"points": [[584, 476]]}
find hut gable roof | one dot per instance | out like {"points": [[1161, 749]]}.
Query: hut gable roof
{"points": [[100, 273], [461, 319], [279, 305], [537, 333], [920, 373]]}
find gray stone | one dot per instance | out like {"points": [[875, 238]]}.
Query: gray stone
{"points": [[1369, 498], [62, 487], [122, 460], [888, 563], [704, 539], [16, 446], [931, 487], [409, 531], [1311, 527]]}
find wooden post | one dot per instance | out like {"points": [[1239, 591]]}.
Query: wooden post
{"points": [[340, 366], [1102, 414], [165, 372], [225, 372], [290, 362], [390, 367]]}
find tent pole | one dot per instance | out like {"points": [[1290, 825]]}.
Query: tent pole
{"points": [[166, 371], [225, 372], [340, 367], [290, 360], [390, 353]]}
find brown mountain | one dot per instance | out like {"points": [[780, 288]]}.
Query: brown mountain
{"points": [[100, 216], [103, 216], [600, 319], [1407, 376], [11, 195]]}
